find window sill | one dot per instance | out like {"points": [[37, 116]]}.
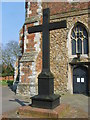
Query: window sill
{"points": [[81, 56]]}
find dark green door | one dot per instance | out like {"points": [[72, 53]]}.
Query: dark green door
{"points": [[80, 80]]}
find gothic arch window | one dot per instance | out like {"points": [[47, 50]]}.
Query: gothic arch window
{"points": [[79, 39]]}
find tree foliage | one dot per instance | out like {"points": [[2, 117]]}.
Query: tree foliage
{"points": [[9, 55]]}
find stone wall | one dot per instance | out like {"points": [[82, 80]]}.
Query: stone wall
{"points": [[59, 59], [60, 50], [72, 20], [29, 69], [60, 47]]}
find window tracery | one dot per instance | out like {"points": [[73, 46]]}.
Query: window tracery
{"points": [[79, 40]]}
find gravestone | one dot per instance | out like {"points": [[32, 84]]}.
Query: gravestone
{"points": [[46, 97]]}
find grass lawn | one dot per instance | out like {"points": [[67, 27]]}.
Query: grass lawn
{"points": [[6, 82]]}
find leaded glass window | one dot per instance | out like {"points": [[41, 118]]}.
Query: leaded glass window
{"points": [[73, 46], [79, 45], [79, 39]]}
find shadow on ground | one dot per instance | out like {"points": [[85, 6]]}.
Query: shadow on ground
{"points": [[22, 103]]}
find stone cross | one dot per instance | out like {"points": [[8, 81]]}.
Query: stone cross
{"points": [[46, 97]]}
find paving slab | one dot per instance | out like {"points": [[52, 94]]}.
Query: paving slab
{"points": [[8, 100], [79, 103], [76, 100]]}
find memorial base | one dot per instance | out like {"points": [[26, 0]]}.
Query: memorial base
{"points": [[46, 101], [32, 112]]}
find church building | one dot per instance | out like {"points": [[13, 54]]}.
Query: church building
{"points": [[69, 48]]}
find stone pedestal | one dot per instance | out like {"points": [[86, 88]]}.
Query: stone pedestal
{"points": [[46, 101], [46, 97]]}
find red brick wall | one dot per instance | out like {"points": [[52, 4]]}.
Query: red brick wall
{"points": [[58, 7], [61, 7], [7, 78], [39, 63], [21, 38], [33, 8], [27, 72], [31, 43]]}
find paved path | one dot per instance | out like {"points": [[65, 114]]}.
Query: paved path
{"points": [[10, 101], [76, 100]]}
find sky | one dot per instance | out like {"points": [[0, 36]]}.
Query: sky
{"points": [[13, 18]]}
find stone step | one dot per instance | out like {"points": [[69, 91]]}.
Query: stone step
{"points": [[32, 112]]}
